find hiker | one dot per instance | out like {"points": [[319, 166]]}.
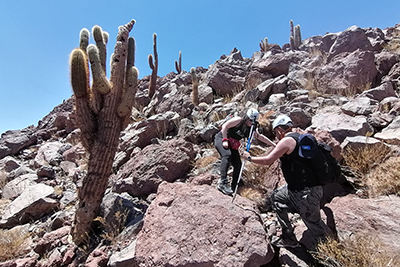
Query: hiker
{"points": [[300, 195], [227, 142]]}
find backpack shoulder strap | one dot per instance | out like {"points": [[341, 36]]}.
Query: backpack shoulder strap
{"points": [[295, 136]]}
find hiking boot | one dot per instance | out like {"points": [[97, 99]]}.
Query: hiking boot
{"points": [[224, 187], [282, 242]]}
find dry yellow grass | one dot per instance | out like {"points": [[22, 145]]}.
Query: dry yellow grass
{"points": [[111, 231], [363, 159], [385, 178], [393, 45], [206, 161], [358, 250], [12, 243]]}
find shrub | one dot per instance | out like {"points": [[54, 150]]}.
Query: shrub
{"points": [[358, 250]]}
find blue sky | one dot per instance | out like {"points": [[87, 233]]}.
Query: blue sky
{"points": [[38, 36]]}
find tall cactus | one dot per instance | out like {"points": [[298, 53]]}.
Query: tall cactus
{"points": [[101, 113], [195, 82], [154, 67], [178, 64], [295, 36]]}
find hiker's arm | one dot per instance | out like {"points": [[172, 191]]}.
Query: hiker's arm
{"points": [[283, 147], [263, 138]]}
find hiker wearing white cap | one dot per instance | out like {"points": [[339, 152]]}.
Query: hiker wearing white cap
{"points": [[302, 194]]}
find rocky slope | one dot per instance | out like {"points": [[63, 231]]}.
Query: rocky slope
{"points": [[161, 207]]}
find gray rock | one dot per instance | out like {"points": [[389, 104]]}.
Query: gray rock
{"points": [[381, 92], [390, 134], [359, 106], [341, 125], [33, 203], [11, 142], [15, 187]]}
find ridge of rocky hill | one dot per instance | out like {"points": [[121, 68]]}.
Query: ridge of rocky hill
{"points": [[162, 208]]}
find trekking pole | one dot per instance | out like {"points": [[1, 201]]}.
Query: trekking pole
{"points": [[249, 140]]}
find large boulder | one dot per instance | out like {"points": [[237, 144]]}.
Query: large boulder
{"points": [[347, 73], [350, 40], [170, 98], [340, 125], [278, 64], [141, 133], [33, 203], [201, 227], [167, 161], [227, 76], [373, 217], [11, 142]]}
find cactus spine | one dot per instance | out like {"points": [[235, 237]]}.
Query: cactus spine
{"points": [[178, 64], [264, 46], [195, 82], [154, 67], [101, 112]]}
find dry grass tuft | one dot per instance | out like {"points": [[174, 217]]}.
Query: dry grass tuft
{"points": [[385, 178], [358, 250], [12, 243], [113, 229], [354, 90], [255, 195], [363, 159], [393, 45]]}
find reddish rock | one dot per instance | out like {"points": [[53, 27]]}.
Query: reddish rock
{"points": [[188, 225]]}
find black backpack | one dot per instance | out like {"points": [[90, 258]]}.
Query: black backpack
{"points": [[320, 160]]}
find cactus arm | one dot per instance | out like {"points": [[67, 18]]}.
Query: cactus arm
{"points": [[131, 52], [291, 28], [297, 36], [84, 39], [292, 44], [150, 59], [105, 37], [154, 67], [178, 64], [195, 82], [100, 82], [80, 86], [128, 97], [130, 87], [101, 45]]}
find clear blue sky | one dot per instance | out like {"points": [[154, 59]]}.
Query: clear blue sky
{"points": [[38, 36]]}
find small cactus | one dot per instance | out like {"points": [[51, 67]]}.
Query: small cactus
{"points": [[264, 46], [195, 82], [101, 113], [178, 64], [154, 67]]}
